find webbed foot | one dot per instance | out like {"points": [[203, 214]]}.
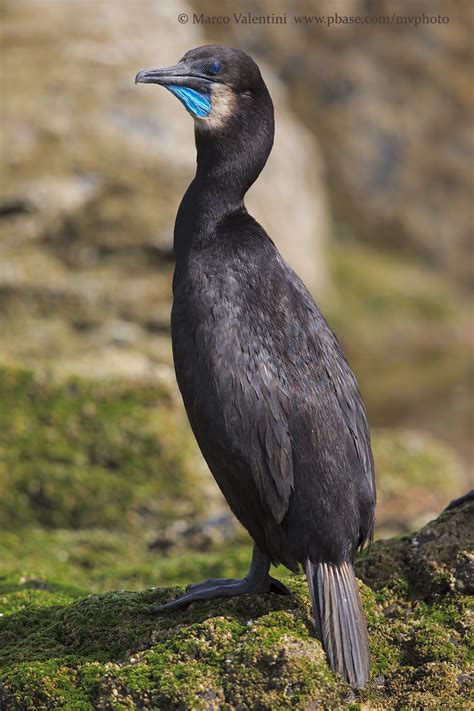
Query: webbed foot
{"points": [[224, 587], [257, 581]]}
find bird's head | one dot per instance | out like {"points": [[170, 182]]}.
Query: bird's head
{"points": [[215, 84]]}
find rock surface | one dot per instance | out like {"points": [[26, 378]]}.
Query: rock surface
{"points": [[61, 649]]}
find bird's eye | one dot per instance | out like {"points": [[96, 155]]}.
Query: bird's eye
{"points": [[214, 68]]}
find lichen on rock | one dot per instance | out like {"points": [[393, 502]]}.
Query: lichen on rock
{"points": [[62, 649]]}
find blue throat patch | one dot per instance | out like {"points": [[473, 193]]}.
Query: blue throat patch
{"points": [[197, 103]]}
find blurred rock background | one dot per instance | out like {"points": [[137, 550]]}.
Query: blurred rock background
{"points": [[367, 193]]}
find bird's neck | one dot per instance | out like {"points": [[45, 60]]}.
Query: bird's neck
{"points": [[229, 161]]}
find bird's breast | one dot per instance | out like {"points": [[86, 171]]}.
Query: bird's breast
{"points": [[214, 333]]}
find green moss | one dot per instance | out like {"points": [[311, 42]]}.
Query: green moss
{"points": [[83, 454], [51, 685]]}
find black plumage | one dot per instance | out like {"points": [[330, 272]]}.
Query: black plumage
{"points": [[271, 399]]}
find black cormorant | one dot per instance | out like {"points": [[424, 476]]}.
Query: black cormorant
{"points": [[271, 399]]}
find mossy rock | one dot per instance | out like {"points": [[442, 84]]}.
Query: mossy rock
{"points": [[60, 649], [435, 561], [86, 454]]}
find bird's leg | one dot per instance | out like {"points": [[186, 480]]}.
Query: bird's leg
{"points": [[257, 580]]}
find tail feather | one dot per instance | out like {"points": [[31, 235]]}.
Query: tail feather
{"points": [[339, 619]]}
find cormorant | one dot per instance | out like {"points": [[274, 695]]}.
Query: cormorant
{"points": [[271, 399]]}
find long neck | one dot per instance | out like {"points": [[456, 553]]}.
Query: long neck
{"points": [[229, 160]]}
